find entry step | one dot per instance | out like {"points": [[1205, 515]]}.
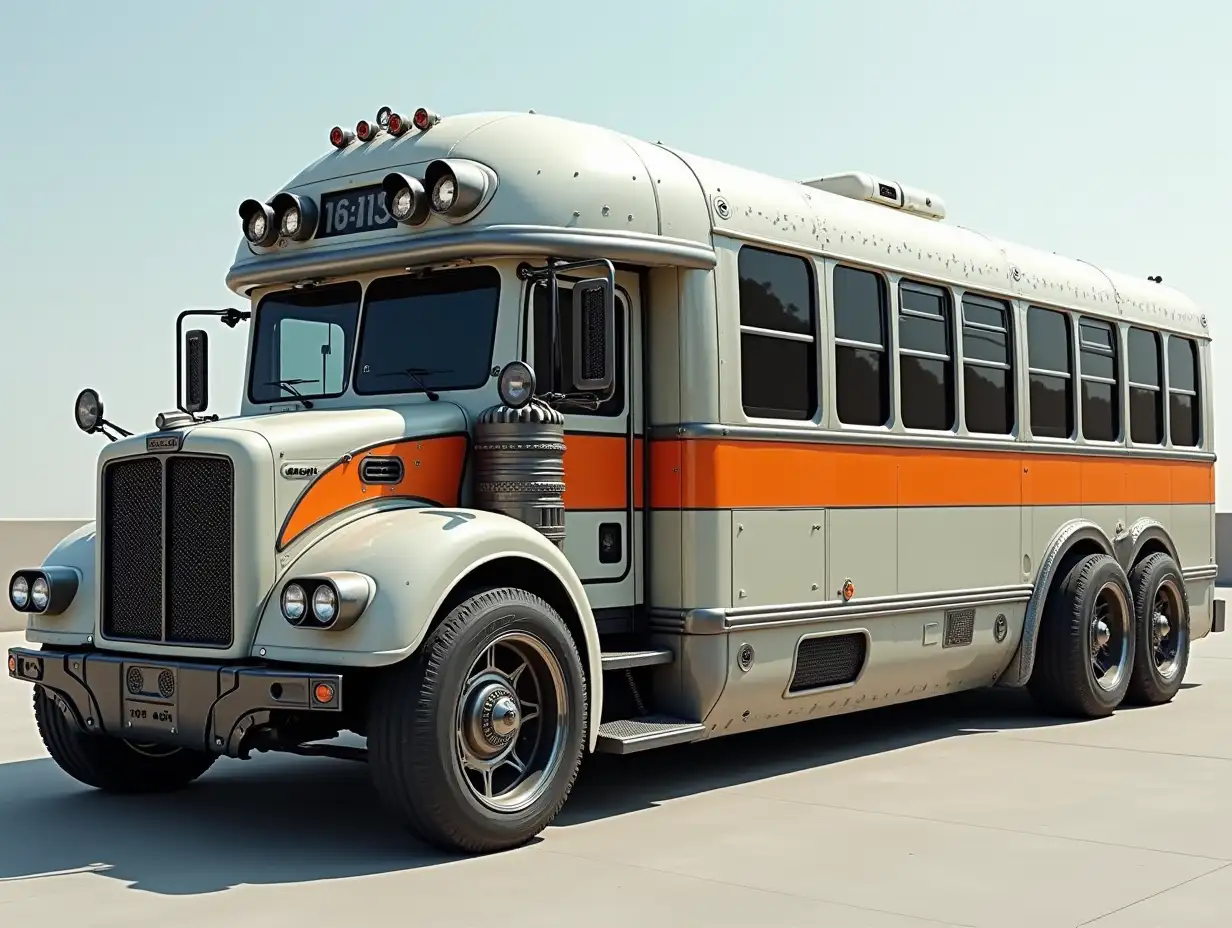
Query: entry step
{"points": [[627, 736], [627, 660]]}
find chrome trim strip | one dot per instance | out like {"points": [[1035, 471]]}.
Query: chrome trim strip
{"points": [[815, 434], [490, 242], [720, 620], [1205, 572]]}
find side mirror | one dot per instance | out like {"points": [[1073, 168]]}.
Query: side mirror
{"points": [[594, 335], [197, 371]]}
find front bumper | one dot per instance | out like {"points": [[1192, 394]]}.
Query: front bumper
{"points": [[207, 707]]}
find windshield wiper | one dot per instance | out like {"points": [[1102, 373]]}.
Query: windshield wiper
{"points": [[289, 386], [415, 374]]}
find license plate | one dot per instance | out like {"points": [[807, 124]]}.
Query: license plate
{"points": [[151, 698], [349, 212]]}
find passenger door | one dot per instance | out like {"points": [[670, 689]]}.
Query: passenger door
{"points": [[601, 540]]}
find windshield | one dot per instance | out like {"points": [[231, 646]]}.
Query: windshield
{"points": [[303, 343], [421, 334]]}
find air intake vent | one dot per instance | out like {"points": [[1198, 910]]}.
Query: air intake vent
{"points": [[381, 470], [959, 628], [829, 660]]}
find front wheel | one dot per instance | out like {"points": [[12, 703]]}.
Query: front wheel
{"points": [[113, 764], [475, 743]]}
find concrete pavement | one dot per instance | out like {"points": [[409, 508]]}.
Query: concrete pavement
{"points": [[968, 810]]}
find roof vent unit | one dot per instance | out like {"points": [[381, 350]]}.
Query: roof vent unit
{"points": [[860, 186]]}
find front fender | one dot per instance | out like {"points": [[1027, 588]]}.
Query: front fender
{"points": [[416, 556], [75, 625]]}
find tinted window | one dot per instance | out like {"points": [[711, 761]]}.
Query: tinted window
{"points": [[861, 358], [1146, 395], [1050, 374], [612, 405], [428, 333], [1101, 396], [303, 343], [1183, 408], [778, 311], [988, 381], [926, 364]]}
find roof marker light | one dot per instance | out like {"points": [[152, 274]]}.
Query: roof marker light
{"points": [[365, 131], [340, 137], [382, 116], [425, 119], [397, 125]]}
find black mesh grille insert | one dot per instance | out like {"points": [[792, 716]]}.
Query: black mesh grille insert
{"points": [[133, 549], [828, 661], [199, 585], [195, 564], [959, 628], [594, 360]]}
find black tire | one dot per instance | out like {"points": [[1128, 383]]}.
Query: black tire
{"points": [[415, 753], [1063, 681], [1159, 665], [112, 764]]}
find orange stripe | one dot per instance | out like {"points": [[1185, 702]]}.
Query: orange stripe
{"points": [[432, 470], [716, 474], [597, 469]]}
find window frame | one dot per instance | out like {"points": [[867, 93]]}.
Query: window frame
{"points": [[1006, 307], [817, 413], [1115, 352], [1195, 351], [1070, 375], [951, 358], [1160, 390], [887, 350]]}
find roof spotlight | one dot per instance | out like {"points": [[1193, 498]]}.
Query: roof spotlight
{"points": [[382, 116], [405, 199], [258, 222], [366, 131], [296, 215], [397, 125], [456, 187], [340, 137]]}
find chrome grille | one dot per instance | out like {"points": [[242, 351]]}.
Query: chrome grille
{"points": [[167, 550]]}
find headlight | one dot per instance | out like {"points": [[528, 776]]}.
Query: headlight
{"points": [[40, 594], [458, 187], [325, 604], [297, 216], [19, 593], [88, 410], [405, 199], [444, 194], [258, 221], [516, 385], [294, 603]]}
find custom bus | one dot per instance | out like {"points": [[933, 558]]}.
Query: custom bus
{"points": [[556, 441]]}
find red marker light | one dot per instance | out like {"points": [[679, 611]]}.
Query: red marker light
{"points": [[425, 119], [340, 137], [396, 125], [363, 130]]}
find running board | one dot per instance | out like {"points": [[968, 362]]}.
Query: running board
{"points": [[628, 736], [627, 660]]}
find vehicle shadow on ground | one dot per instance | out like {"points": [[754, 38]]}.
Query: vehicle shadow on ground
{"points": [[277, 819]]}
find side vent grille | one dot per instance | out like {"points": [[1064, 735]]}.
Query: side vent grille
{"points": [[384, 470], [959, 628], [831, 660]]}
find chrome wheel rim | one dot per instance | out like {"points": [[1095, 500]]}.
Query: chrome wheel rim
{"points": [[1167, 633], [1109, 637], [510, 722]]}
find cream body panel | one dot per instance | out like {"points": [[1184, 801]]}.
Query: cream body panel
{"points": [[863, 548], [778, 556], [416, 556], [958, 547]]}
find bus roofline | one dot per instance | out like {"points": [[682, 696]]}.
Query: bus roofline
{"points": [[493, 241]]}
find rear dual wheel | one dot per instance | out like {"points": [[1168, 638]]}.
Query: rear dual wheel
{"points": [[1163, 630], [475, 743]]}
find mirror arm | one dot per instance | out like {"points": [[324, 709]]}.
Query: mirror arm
{"points": [[230, 317]]}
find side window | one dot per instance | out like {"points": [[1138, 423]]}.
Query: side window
{"points": [[1183, 406], [861, 347], [988, 372], [926, 361], [541, 359], [1050, 369], [1097, 362], [313, 354], [778, 334], [1146, 394]]}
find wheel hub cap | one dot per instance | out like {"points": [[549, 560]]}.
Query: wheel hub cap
{"points": [[1101, 633], [493, 717], [1161, 626]]}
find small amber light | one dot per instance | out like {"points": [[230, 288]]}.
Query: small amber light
{"points": [[12, 664], [324, 693], [849, 590]]}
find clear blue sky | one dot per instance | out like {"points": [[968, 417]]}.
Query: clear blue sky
{"points": [[1098, 130]]}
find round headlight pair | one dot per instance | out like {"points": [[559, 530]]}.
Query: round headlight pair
{"points": [[285, 216], [26, 595], [324, 604]]}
